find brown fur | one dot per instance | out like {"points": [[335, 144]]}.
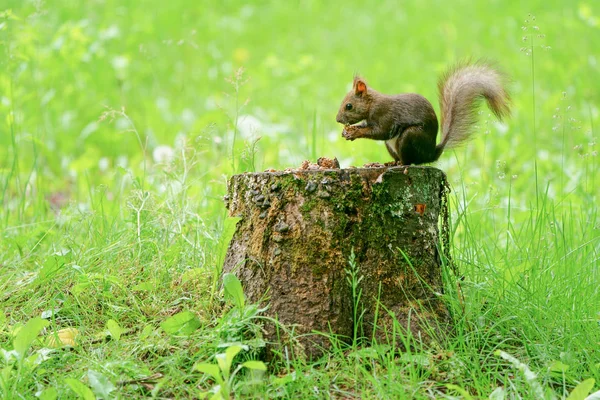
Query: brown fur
{"points": [[407, 122]]}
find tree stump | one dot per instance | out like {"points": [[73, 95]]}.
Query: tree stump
{"points": [[298, 229]]}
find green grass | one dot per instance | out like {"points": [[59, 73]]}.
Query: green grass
{"points": [[96, 226]]}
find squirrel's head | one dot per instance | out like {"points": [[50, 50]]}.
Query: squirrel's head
{"points": [[355, 106]]}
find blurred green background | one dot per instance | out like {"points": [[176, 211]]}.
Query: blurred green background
{"points": [[166, 63], [120, 122]]}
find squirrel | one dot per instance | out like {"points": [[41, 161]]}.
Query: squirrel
{"points": [[407, 122]]}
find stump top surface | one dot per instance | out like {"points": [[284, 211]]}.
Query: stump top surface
{"points": [[399, 183], [367, 172]]}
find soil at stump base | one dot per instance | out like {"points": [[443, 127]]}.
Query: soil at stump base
{"points": [[298, 228]]}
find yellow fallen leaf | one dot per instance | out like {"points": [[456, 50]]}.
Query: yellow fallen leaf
{"points": [[63, 338]]}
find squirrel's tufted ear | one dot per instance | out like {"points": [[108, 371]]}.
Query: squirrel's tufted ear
{"points": [[359, 85]]}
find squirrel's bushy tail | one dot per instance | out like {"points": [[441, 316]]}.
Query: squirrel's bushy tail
{"points": [[461, 89]]}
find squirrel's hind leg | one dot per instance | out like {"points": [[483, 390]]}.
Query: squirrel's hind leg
{"points": [[416, 146]]}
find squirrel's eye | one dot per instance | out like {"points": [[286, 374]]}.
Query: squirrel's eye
{"points": [[348, 106]]}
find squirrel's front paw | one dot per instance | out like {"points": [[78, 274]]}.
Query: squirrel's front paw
{"points": [[349, 132]]}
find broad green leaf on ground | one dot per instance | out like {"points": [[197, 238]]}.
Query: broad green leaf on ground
{"points": [[226, 359], [582, 390], [82, 391], [114, 329], [50, 393], [228, 230], [233, 290], [210, 369], [558, 366], [183, 323], [27, 335], [255, 365], [100, 384]]}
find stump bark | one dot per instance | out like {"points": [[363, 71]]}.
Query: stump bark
{"points": [[296, 234]]}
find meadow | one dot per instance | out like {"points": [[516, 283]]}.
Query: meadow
{"points": [[120, 122]]}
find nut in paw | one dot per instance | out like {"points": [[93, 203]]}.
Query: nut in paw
{"points": [[350, 132]]}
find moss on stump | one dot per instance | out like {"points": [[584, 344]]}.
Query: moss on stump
{"points": [[298, 229]]}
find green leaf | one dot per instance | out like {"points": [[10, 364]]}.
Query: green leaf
{"points": [[226, 359], [582, 390], [210, 369], [558, 366], [229, 226], [233, 290], [255, 365], [183, 323], [222, 364], [114, 329], [100, 384], [27, 335], [82, 391], [230, 354], [50, 393]]}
